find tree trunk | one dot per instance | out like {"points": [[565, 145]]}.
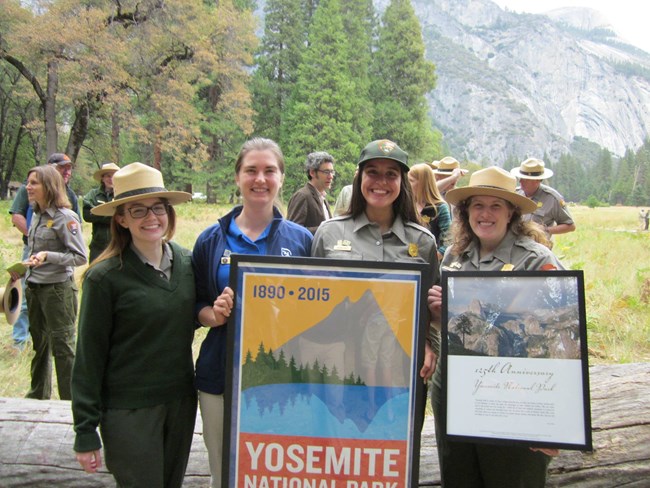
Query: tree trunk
{"points": [[115, 135], [49, 108]]}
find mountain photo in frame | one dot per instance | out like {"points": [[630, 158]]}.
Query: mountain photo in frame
{"points": [[323, 385], [514, 359]]}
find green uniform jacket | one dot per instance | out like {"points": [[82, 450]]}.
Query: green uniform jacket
{"points": [[134, 346], [101, 235]]}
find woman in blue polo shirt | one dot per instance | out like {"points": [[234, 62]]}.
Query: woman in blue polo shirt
{"points": [[255, 227]]}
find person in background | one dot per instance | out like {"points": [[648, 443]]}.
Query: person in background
{"points": [[21, 215], [133, 374], [433, 210], [551, 211], [343, 200], [101, 234], [256, 227], [489, 234], [56, 246], [447, 173], [308, 206], [382, 224], [63, 165]]}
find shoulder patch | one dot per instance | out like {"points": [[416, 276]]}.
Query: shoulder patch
{"points": [[73, 227]]}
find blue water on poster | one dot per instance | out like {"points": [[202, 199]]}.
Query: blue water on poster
{"points": [[320, 410]]}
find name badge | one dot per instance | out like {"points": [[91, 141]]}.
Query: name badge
{"points": [[225, 259], [343, 245]]}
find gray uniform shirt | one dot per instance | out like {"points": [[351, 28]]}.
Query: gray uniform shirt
{"points": [[551, 207], [357, 238], [58, 232], [514, 253]]}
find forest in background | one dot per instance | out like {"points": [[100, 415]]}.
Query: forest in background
{"points": [[181, 84]]}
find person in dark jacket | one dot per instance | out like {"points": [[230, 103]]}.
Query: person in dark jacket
{"points": [[308, 206], [101, 234], [255, 227]]}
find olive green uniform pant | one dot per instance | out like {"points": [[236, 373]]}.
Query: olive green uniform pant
{"points": [[149, 447], [52, 310]]}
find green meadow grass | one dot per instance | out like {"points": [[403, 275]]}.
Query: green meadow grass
{"points": [[607, 245]]}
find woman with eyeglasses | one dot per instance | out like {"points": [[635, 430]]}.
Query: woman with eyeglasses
{"points": [[381, 224], [255, 227], [133, 375]]}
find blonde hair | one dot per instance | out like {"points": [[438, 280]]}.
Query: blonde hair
{"points": [[427, 192]]}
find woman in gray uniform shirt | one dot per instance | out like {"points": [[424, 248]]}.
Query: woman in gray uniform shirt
{"points": [[382, 223], [488, 234], [56, 246]]}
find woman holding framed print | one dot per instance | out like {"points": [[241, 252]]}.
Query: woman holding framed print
{"points": [[256, 227], [382, 223], [488, 234]]}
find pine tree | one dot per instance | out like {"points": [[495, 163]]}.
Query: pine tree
{"points": [[323, 109], [277, 60], [401, 77]]}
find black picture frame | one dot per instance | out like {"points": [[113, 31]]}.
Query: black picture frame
{"points": [[274, 427], [514, 359]]}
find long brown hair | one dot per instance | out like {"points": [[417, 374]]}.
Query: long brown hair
{"points": [[403, 205], [54, 192], [462, 234], [121, 237]]}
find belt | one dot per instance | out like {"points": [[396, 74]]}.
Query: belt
{"points": [[33, 285]]}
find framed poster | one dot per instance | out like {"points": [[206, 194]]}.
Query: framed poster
{"points": [[514, 361], [323, 386]]}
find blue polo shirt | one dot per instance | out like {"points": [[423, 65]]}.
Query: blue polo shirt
{"points": [[239, 243]]}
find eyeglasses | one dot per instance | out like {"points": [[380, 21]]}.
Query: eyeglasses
{"points": [[141, 211], [327, 172]]}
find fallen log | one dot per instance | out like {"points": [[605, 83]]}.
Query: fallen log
{"points": [[36, 440]]}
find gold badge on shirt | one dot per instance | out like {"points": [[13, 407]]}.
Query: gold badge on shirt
{"points": [[540, 204], [425, 218], [50, 223], [413, 250], [507, 267], [343, 245]]}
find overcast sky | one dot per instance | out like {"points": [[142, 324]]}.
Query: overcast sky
{"points": [[629, 18]]}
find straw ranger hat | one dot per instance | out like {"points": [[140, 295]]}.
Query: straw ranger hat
{"points": [[137, 181], [493, 182], [532, 169], [447, 165], [106, 168], [434, 164]]}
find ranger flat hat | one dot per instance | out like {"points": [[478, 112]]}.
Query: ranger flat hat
{"points": [[106, 168], [137, 181], [11, 300], [447, 165], [532, 169], [384, 149], [493, 182]]}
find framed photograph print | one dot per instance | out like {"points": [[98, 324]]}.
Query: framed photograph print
{"points": [[323, 387], [514, 358]]}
